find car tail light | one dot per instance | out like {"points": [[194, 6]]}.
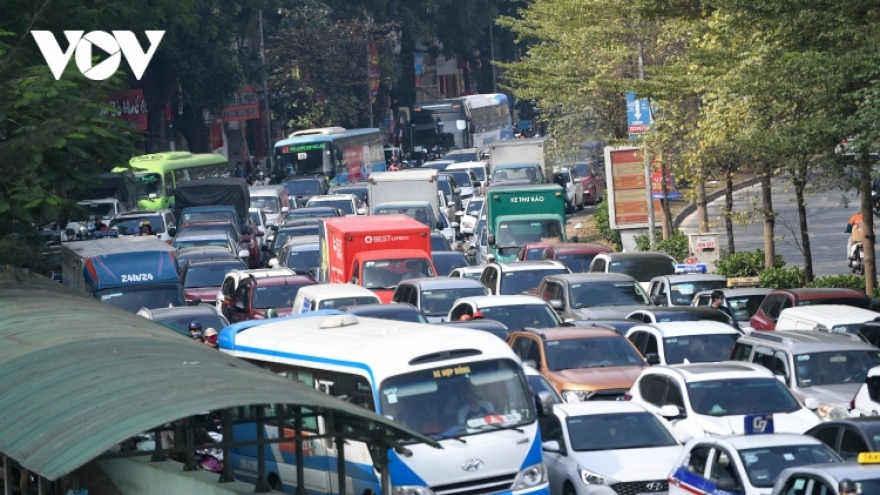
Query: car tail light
{"points": [[627, 396]]}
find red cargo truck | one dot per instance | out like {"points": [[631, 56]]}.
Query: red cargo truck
{"points": [[375, 252]]}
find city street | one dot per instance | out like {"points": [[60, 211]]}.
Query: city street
{"points": [[827, 219]]}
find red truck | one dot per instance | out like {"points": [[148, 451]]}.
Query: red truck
{"points": [[375, 252]]}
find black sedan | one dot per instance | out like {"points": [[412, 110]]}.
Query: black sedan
{"points": [[849, 436]]}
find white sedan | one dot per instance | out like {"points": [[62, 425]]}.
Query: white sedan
{"points": [[592, 448]]}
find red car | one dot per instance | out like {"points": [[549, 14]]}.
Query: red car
{"points": [[255, 295], [773, 304], [202, 279], [576, 257], [593, 181], [533, 251]]}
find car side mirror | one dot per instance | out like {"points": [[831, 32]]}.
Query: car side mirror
{"points": [[361, 211], [491, 239], [239, 307], [172, 231], [273, 263], [284, 209], [451, 204], [544, 404], [556, 304], [313, 273], [669, 411], [274, 227], [658, 300], [457, 190], [811, 403], [652, 358], [551, 446], [478, 183], [195, 302]]}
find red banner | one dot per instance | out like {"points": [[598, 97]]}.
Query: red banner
{"points": [[244, 105], [217, 136], [130, 107]]}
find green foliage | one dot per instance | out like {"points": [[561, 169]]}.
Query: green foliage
{"points": [[603, 220], [844, 281], [676, 246], [783, 278], [745, 263]]}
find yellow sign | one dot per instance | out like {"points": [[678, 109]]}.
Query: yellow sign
{"points": [[744, 282], [447, 372], [869, 458]]}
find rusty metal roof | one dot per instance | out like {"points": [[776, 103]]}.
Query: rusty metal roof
{"points": [[78, 376]]}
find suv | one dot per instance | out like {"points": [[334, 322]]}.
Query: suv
{"points": [[575, 256], [641, 266], [675, 342], [589, 296], [823, 370], [518, 277], [303, 187], [705, 399], [581, 363], [679, 290], [779, 299], [233, 278], [254, 296], [161, 222], [435, 296]]}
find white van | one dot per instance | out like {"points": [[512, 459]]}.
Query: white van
{"points": [[332, 296], [273, 200], [835, 318]]}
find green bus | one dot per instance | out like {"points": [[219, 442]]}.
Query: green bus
{"points": [[157, 175]]}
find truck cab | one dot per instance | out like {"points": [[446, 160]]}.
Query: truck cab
{"points": [[520, 215]]}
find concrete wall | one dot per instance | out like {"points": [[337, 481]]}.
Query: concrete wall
{"points": [[139, 476]]}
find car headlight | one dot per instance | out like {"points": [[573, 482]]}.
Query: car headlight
{"points": [[411, 490], [575, 395], [829, 411], [530, 477], [591, 478]]}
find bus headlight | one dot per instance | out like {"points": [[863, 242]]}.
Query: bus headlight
{"points": [[530, 477], [411, 490]]}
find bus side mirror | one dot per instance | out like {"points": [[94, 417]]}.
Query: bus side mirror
{"points": [[339, 155], [491, 239]]}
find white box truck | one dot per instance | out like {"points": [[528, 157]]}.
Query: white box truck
{"points": [[519, 152], [405, 186]]}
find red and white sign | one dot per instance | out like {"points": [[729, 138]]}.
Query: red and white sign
{"points": [[131, 107], [627, 190]]}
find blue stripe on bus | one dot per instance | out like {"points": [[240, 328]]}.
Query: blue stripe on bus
{"points": [[401, 473], [535, 453]]}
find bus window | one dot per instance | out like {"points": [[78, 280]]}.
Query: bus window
{"points": [[169, 185], [148, 185]]}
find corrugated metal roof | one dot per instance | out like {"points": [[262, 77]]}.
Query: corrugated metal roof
{"points": [[78, 376]]}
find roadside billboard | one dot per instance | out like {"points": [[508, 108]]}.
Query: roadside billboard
{"points": [[627, 190]]}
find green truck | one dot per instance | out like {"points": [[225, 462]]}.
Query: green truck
{"points": [[523, 214]]}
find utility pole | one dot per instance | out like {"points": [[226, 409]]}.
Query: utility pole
{"points": [[651, 234], [269, 148]]}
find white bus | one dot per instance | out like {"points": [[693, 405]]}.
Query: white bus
{"points": [[465, 388], [465, 122]]}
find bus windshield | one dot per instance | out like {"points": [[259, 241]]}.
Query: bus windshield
{"points": [[513, 234], [440, 130], [305, 159], [148, 185], [459, 400], [149, 296]]}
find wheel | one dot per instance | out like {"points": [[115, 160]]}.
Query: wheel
{"points": [[568, 489], [581, 205], [569, 208]]}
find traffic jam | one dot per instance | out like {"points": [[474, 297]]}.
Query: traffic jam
{"points": [[448, 296]]}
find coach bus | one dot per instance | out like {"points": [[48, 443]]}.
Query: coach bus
{"points": [[157, 175], [466, 122], [464, 388], [342, 155]]}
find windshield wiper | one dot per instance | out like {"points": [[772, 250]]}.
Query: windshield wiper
{"points": [[447, 436], [501, 426]]}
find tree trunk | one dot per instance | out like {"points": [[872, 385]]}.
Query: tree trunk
{"points": [[769, 217], [728, 210], [664, 203], [702, 212], [800, 183], [191, 124], [158, 84], [867, 224]]}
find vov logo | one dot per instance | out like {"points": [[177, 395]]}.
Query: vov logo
{"points": [[119, 44]]}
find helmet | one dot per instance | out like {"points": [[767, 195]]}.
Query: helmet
{"points": [[846, 485], [477, 315], [270, 313], [260, 175], [146, 223], [195, 326]]}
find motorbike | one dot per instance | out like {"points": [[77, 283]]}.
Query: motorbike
{"points": [[857, 258]]}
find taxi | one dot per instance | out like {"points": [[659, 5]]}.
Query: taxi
{"points": [[862, 478], [743, 464]]}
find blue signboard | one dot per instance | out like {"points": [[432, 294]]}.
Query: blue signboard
{"points": [[758, 424], [691, 268], [638, 114]]}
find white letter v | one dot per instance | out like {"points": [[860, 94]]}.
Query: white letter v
{"points": [[51, 51]]}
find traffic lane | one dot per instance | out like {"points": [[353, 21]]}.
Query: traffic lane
{"points": [[826, 221]]}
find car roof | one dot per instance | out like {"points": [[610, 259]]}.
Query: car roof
{"points": [[800, 341], [566, 333], [494, 301], [465, 165], [816, 293], [743, 442], [332, 197], [431, 283], [470, 269], [579, 278], [266, 190], [213, 262], [300, 222], [202, 234], [261, 272], [697, 310], [837, 312], [697, 372], [685, 328], [837, 471], [737, 291], [142, 213], [194, 311], [518, 266], [279, 280], [687, 277], [303, 177], [598, 407], [311, 208], [577, 247], [651, 255]]}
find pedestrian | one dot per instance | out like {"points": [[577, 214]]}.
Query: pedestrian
{"points": [[146, 228], [847, 487], [195, 329], [211, 338], [239, 171], [718, 302]]}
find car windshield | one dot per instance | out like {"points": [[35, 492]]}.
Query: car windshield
{"points": [[276, 296], [209, 275], [208, 216], [479, 172], [342, 204], [462, 178], [201, 241], [520, 316], [310, 213], [421, 214], [618, 431], [103, 210], [347, 301], [576, 263], [514, 233], [461, 156], [682, 293], [303, 260], [148, 185], [699, 348], [288, 233], [582, 169], [516, 282], [595, 352], [181, 323], [257, 217], [763, 465], [642, 270], [526, 172], [446, 262], [151, 296], [534, 254], [439, 243], [601, 294], [744, 307], [126, 225], [387, 274], [302, 187], [438, 302], [458, 400], [360, 192], [665, 316], [443, 183], [474, 206], [225, 227], [834, 368], [268, 204], [741, 396]]}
